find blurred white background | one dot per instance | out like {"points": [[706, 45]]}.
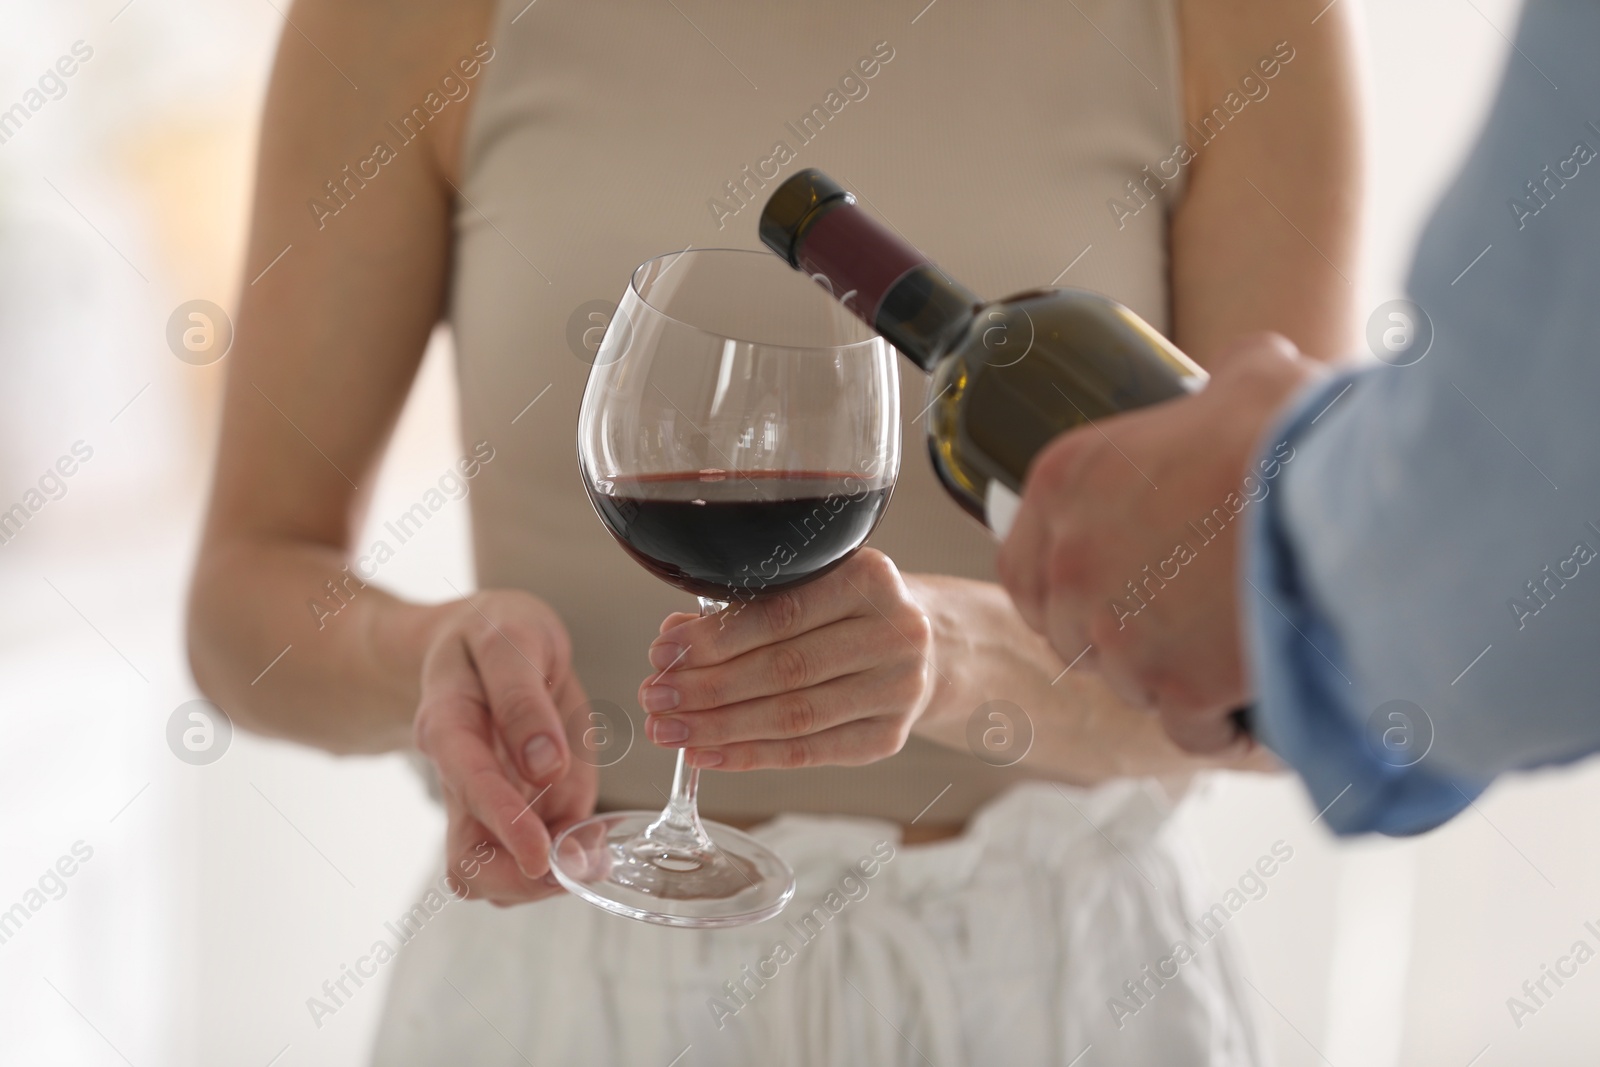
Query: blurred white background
{"points": [[218, 898]]}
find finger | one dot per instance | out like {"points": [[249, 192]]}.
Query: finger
{"points": [[1214, 732], [818, 656], [1021, 564], [851, 745], [1180, 656], [585, 854], [677, 618], [513, 661], [866, 578], [793, 714], [572, 797], [455, 733], [1031, 559], [483, 869], [1113, 646], [1072, 612], [1261, 345], [1071, 629]]}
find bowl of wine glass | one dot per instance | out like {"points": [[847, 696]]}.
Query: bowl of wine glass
{"points": [[739, 436]]}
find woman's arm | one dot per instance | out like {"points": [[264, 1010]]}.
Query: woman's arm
{"points": [[1081, 731], [1268, 233], [348, 256], [328, 340]]}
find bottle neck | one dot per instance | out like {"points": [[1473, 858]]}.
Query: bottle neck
{"points": [[884, 281]]}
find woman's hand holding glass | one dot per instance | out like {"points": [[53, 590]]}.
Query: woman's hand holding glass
{"points": [[836, 671], [495, 684]]}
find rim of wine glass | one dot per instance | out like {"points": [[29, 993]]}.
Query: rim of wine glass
{"points": [[633, 287]]}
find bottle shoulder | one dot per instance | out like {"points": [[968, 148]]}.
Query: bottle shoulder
{"points": [[1079, 325]]}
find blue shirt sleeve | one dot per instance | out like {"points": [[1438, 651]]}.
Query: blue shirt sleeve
{"points": [[1423, 582], [1361, 778]]}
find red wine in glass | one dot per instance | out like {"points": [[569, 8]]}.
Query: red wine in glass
{"points": [[733, 535]]}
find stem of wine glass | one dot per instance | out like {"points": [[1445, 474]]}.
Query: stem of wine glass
{"points": [[678, 826]]}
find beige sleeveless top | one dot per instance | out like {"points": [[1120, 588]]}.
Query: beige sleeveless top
{"points": [[992, 134]]}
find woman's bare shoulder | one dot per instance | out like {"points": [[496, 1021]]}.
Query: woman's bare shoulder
{"points": [[348, 67], [349, 253], [1225, 42]]}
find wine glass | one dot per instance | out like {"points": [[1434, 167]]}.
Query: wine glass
{"points": [[739, 435]]}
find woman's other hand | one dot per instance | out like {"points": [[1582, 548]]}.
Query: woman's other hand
{"points": [[836, 671], [497, 685]]}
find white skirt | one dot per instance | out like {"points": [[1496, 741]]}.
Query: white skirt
{"points": [[1046, 929]]}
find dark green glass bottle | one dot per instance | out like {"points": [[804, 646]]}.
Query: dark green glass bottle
{"points": [[1008, 375]]}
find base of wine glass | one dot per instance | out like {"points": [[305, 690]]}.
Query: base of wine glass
{"points": [[609, 861]]}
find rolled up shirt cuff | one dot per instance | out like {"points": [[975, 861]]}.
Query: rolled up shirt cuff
{"points": [[1310, 709]]}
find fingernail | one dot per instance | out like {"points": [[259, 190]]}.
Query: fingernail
{"points": [[542, 756], [659, 698], [668, 731], [705, 759], [524, 871], [665, 655]]}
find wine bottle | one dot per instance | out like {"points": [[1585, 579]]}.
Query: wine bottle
{"points": [[1008, 376]]}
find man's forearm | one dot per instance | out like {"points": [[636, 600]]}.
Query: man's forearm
{"points": [[288, 654]]}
